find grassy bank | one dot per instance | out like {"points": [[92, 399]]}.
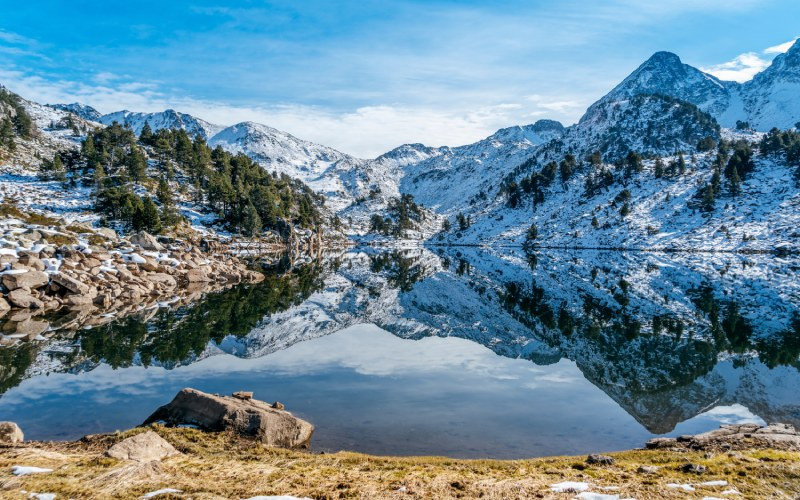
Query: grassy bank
{"points": [[223, 466]]}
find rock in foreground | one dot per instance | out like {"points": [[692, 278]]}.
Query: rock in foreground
{"points": [[143, 447], [10, 433], [733, 437], [248, 417]]}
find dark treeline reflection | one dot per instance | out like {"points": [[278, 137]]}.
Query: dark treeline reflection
{"points": [[170, 336], [174, 335]]}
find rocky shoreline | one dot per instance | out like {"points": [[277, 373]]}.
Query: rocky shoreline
{"points": [[55, 274]]}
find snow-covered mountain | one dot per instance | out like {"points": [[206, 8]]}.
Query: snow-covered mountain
{"points": [[769, 100], [169, 119], [82, 110]]}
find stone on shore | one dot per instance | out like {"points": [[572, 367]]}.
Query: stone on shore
{"points": [[144, 447], [10, 433], [729, 437], [247, 417]]}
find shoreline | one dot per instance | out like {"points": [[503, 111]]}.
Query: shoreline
{"points": [[226, 465]]}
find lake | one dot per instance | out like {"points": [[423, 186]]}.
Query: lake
{"points": [[463, 352]]}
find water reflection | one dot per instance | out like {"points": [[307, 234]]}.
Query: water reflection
{"points": [[669, 339]]}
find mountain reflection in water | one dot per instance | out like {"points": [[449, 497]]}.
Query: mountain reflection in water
{"points": [[597, 351]]}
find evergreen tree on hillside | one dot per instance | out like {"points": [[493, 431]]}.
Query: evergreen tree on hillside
{"points": [[7, 134]]}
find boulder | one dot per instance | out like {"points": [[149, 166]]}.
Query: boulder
{"points": [[196, 276], [32, 262], [10, 433], [247, 417], [70, 283], [600, 460], [23, 298], [4, 305], [28, 280], [144, 447], [107, 233], [146, 241]]}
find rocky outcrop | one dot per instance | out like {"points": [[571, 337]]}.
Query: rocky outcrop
{"points": [[242, 415], [144, 447], [10, 433], [734, 437], [44, 269]]}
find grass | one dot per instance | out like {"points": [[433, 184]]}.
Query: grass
{"points": [[219, 465], [9, 209]]}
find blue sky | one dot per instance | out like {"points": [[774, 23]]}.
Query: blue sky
{"points": [[365, 76]]}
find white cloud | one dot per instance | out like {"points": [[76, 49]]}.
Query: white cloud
{"points": [[780, 48], [745, 66], [365, 131], [741, 69]]}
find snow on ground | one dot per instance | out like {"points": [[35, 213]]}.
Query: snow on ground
{"points": [[23, 470]]}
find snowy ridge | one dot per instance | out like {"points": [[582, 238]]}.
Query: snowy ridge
{"points": [[169, 119], [768, 100]]}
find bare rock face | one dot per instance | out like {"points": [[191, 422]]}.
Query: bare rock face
{"points": [[10, 433], [731, 437], [248, 417], [143, 447]]}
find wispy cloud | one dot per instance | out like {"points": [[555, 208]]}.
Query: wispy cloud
{"points": [[781, 47], [741, 69], [745, 66]]}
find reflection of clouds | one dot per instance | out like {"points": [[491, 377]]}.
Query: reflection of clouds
{"points": [[365, 349], [733, 414]]}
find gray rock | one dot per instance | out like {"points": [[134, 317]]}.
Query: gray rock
{"points": [[107, 233], [694, 469], [29, 280], [600, 460], [144, 447], [247, 417], [32, 262], [196, 276], [10, 433], [648, 469], [23, 298], [70, 283], [146, 241]]}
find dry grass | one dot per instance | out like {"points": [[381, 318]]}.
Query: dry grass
{"points": [[222, 466]]}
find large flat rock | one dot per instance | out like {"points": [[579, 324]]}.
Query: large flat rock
{"points": [[245, 416]]}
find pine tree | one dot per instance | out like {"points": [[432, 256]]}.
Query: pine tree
{"points": [[58, 173], [136, 165], [7, 134], [150, 220], [251, 222], [446, 226], [708, 202], [168, 215], [532, 234], [681, 163], [146, 135], [734, 182], [658, 170]]}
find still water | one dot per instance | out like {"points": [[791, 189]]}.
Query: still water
{"points": [[461, 353]]}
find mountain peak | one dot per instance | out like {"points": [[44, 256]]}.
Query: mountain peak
{"points": [[664, 58]]}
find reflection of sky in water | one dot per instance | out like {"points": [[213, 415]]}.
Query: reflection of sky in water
{"points": [[367, 390]]}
